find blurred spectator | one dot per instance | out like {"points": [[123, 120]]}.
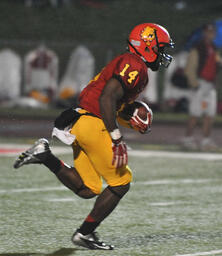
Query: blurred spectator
{"points": [[41, 74], [93, 3], [34, 3], [176, 87], [42, 3], [201, 71], [59, 3], [10, 75], [79, 72]]}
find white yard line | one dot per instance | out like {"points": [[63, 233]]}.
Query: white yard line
{"points": [[151, 182], [138, 153], [24, 190], [70, 199], [201, 253], [164, 203], [62, 200], [173, 181]]}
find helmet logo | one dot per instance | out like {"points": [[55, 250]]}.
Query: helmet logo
{"points": [[148, 35]]}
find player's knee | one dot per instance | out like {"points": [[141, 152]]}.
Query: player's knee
{"points": [[119, 191], [86, 193]]}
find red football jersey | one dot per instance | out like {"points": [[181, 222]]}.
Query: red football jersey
{"points": [[127, 68]]}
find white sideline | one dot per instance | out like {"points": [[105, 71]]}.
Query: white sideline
{"points": [[183, 155], [138, 153], [201, 253]]}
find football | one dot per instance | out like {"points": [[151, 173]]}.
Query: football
{"points": [[137, 116], [142, 113]]}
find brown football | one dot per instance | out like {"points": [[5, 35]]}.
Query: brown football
{"points": [[142, 113]]}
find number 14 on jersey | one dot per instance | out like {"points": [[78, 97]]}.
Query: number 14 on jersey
{"points": [[132, 75]]}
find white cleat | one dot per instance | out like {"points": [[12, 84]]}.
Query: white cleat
{"points": [[90, 241], [30, 156]]}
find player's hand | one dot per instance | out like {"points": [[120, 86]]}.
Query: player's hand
{"points": [[120, 157], [139, 124], [143, 126]]}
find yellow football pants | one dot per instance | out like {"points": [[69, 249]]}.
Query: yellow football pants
{"points": [[93, 155]]}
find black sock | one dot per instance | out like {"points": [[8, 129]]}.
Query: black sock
{"points": [[51, 161], [88, 226]]}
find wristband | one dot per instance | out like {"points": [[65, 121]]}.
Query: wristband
{"points": [[115, 134]]}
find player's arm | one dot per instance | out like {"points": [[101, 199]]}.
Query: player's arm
{"points": [[218, 58], [111, 93], [191, 69]]}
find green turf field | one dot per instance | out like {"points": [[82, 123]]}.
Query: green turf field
{"points": [[174, 208]]}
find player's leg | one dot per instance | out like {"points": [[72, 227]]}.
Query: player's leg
{"points": [[195, 108], [105, 203], [189, 141], [191, 125], [207, 126], [195, 111], [98, 149], [86, 170], [70, 177], [211, 107], [40, 153]]}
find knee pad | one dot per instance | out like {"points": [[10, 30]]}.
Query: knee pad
{"points": [[120, 191]]}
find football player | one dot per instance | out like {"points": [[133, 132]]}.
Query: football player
{"points": [[99, 148]]}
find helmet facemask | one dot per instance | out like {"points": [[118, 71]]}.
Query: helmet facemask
{"points": [[164, 58]]}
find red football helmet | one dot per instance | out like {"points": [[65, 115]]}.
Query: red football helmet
{"points": [[149, 40]]}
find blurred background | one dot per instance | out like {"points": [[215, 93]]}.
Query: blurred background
{"points": [[50, 49]]}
